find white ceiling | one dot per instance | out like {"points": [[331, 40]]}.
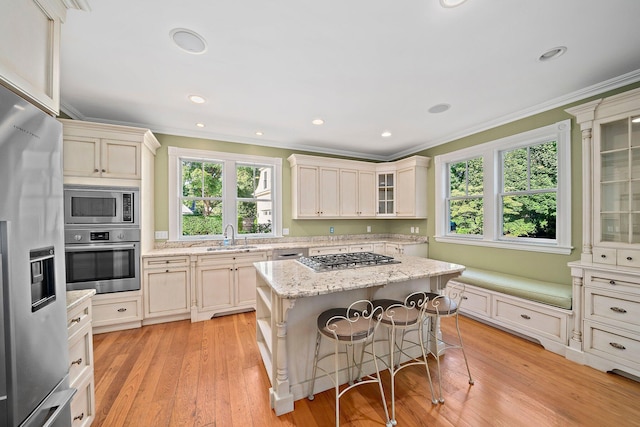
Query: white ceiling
{"points": [[364, 66]]}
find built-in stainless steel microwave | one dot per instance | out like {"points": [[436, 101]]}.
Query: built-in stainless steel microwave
{"points": [[92, 205]]}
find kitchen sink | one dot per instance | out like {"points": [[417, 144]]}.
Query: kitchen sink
{"points": [[231, 248]]}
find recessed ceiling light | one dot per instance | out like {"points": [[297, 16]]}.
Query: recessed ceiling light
{"points": [[259, 133], [451, 3], [317, 122], [188, 40], [385, 134], [439, 108], [197, 99], [635, 120], [200, 125], [552, 53]]}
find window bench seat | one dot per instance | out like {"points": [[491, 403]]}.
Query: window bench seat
{"points": [[537, 310]]}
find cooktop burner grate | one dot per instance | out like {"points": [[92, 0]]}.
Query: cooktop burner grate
{"points": [[345, 261]]}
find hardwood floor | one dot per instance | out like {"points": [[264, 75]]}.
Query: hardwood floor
{"points": [[210, 374]]}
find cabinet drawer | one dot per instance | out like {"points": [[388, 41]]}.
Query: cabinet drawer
{"points": [[538, 319], [107, 313], [231, 258], [613, 282], [628, 258], [166, 262], [476, 301], [604, 256], [610, 307], [361, 248], [83, 405], [78, 318], [612, 343], [81, 354], [328, 250]]}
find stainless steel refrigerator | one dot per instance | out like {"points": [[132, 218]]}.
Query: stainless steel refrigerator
{"points": [[34, 383]]}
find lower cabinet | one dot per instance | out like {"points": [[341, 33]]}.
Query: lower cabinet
{"points": [[225, 284], [167, 289], [117, 311], [79, 328]]}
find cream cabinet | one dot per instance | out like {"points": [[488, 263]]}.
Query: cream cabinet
{"points": [[30, 53], [327, 250], [101, 158], [316, 190], [323, 187], [357, 193], [117, 311], [606, 280], [225, 283], [166, 288], [79, 328]]}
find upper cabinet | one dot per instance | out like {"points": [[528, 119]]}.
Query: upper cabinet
{"points": [[95, 150], [324, 187], [30, 62], [611, 177]]}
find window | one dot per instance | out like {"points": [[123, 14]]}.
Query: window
{"points": [[210, 190], [512, 193]]}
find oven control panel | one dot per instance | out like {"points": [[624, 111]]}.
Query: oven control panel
{"points": [[111, 235]]}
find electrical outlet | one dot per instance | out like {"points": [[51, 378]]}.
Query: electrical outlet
{"points": [[417, 229], [331, 230], [413, 230], [162, 235], [285, 231], [368, 229]]}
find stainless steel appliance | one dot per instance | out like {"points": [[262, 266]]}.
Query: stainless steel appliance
{"points": [[34, 380], [95, 205], [295, 253], [104, 259], [332, 262]]}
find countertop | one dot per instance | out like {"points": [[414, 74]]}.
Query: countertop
{"points": [[75, 298], [290, 279], [261, 247]]}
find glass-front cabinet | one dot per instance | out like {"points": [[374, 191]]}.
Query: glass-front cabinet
{"points": [[386, 193], [617, 201]]}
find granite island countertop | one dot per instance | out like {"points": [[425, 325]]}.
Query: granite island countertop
{"points": [[290, 279]]}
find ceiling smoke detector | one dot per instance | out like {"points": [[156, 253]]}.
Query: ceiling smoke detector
{"points": [[188, 40], [439, 108], [451, 3]]}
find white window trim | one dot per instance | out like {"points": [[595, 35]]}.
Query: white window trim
{"points": [[490, 153], [176, 153]]}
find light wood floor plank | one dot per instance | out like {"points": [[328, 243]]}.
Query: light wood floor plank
{"points": [[210, 374]]}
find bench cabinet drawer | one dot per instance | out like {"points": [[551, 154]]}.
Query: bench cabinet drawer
{"points": [[110, 311], [536, 318], [83, 404], [617, 309], [475, 301], [81, 354]]}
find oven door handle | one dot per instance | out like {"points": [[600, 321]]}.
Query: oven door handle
{"points": [[88, 248]]}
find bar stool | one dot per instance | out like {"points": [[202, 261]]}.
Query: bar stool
{"points": [[441, 306], [404, 316], [355, 325]]}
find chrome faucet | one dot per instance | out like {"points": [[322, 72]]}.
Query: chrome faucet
{"points": [[233, 233]]}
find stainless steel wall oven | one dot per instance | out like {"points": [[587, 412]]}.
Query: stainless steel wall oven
{"points": [[107, 260]]}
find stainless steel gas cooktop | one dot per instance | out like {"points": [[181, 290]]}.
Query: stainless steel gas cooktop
{"points": [[333, 262]]}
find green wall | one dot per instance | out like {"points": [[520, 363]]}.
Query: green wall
{"points": [[530, 264]]}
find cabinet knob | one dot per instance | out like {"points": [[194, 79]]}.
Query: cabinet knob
{"points": [[603, 256], [167, 270], [618, 310], [122, 310], [629, 258], [618, 346], [525, 316], [96, 170], [76, 362], [78, 417], [75, 320], [103, 170], [612, 282]]}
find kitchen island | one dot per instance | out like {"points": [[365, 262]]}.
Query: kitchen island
{"points": [[290, 296]]}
